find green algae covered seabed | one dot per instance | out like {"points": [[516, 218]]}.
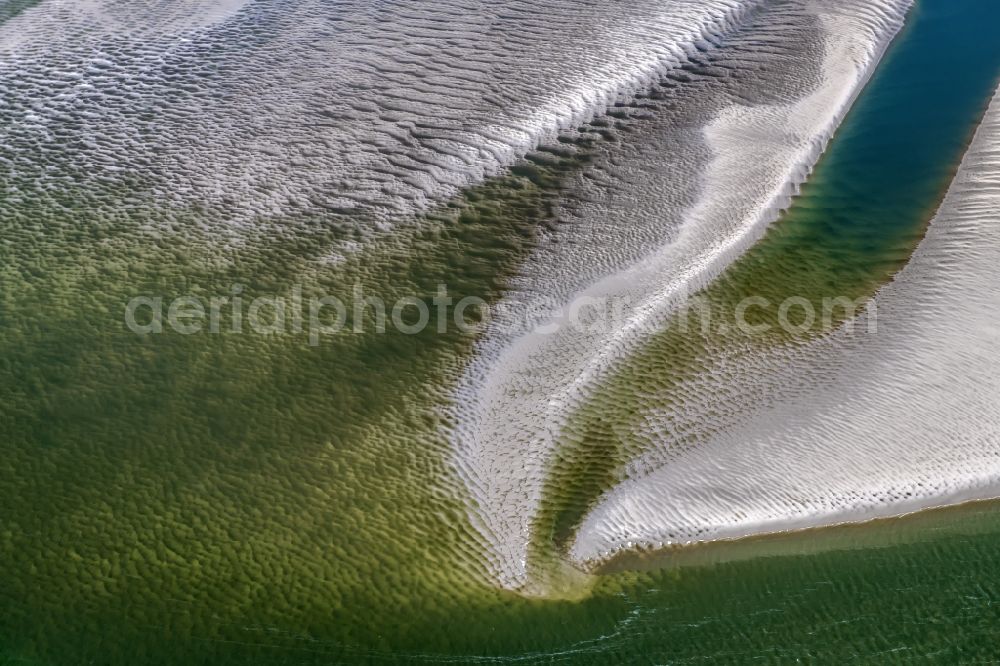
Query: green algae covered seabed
{"points": [[243, 499]]}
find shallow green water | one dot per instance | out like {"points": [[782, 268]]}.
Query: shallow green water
{"points": [[233, 499]]}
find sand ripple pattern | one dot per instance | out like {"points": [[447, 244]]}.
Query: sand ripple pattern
{"points": [[249, 109], [858, 426], [747, 151]]}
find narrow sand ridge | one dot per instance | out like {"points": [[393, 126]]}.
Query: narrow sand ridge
{"points": [[861, 426], [518, 392], [293, 108]]}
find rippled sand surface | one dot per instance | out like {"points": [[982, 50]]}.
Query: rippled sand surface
{"points": [[683, 231], [874, 420], [298, 107], [471, 497]]}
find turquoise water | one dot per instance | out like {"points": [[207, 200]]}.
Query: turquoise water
{"points": [[220, 500], [897, 149], [868, 201]]}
